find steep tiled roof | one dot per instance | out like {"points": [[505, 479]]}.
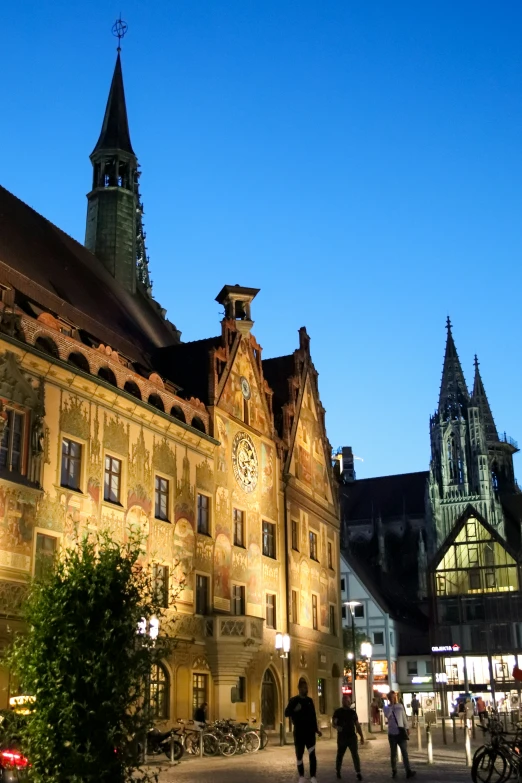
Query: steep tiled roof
{"points": [[187, 364], [277, 371], [387, 496]]}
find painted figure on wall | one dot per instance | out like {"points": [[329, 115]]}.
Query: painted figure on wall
{"points": [[222, 436], [254, 595], [222, 566], [184, 550]]}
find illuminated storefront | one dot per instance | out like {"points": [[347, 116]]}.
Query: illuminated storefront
{"points": [[476, 616]]}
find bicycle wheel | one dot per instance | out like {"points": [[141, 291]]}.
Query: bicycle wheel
{"points": [[227, 745], [178, 750], [490, 766], [263, 736], [252, 741], [210, 745]]}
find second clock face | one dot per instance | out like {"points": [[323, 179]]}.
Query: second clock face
{"points": [[245, 388], [244, 461]]}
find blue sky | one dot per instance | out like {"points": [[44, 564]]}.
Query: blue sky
{"points": [[360, 161]]}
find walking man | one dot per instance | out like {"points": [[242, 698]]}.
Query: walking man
{"points": [[398, 734], [415, 704], [346, 722], [301, 710]]}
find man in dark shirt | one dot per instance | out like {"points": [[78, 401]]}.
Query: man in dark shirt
{"points": [[302, 712], [346, 722], [201, 713]]}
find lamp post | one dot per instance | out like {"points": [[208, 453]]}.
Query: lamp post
{"points": [[352, 605], [148, 628], [366, 652], [282, 645]]}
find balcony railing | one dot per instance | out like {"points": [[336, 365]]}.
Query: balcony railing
{"points": [[234, 627], [503, 438]]}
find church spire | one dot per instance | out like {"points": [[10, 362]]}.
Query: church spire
{"points": [[115, 133], [453, 397], [479, 400]]}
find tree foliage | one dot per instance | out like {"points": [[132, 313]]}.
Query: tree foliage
{"points": [[86, 665], [348, 641]]}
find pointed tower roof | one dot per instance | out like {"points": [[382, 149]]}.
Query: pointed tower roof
{"points": [[115, 129], [479, 399], [454, 396]]}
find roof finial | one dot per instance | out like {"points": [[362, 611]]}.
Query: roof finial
{"points": [[119, 29], [448, 324], [476, 362]]}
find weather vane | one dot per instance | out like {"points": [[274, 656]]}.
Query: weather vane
{"points": [[119, 29]]}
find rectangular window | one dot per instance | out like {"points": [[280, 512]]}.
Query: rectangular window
{"points": [[269, 544], [203, 514], [343, 612], [330, 555], [238, 599], [12, 441], [491, 581], [428, 667], [161, 584], [315, 614], [343, 585], [199, 691], [71, 464], [241, 689], [412, 668], [239, 527], [313, 545], [270, 610], [378, 637], [332, 620], [45, 554], [112, 486], [295, 616], [162, 498], [358, 611], [321, 695], [202, 584], [295, 535], [391, 638], [474, 579]]}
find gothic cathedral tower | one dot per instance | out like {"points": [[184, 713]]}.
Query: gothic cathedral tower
{"points": [[470, 463]]}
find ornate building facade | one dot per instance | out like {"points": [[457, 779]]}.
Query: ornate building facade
{"points": [[109, 422]]}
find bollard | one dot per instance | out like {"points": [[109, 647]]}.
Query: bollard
{"points": [[453, 720], [429, 743], [444, 737], [172, 748], [473, 730], [201, 745], [281, 734], [382, 719], [419, 736], [467, 745]]}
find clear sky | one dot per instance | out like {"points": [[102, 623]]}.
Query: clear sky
{"points": [[360, 161]]}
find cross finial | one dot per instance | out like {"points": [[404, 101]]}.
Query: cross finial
{"points": [[119, 29], [476, 362], [448, 324]]}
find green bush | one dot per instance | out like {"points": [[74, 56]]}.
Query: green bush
{"points": [[86, 665]]}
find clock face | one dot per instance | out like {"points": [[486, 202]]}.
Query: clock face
{"points": [[245, 388], [244, 461]]}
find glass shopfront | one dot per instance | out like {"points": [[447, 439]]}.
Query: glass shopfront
{"points": [[491, 678]]}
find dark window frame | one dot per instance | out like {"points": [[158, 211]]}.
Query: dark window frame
{"points": [[203, 514], [159, 689], [315, 611], [199, 690], [110, 473], [270, 610], [269, 539], [295, 607], [202, 594], [378, 635], [44, 559], [332, 620], [161, 577], [238, 600], [295, 535], [13, 441], [238, 517], [71, 467], [161, 495], [329, 547], [313, 540]]}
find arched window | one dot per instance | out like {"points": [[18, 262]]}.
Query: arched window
{"points": [[78, 360], [132, 388], [106, 374], [177, 412], [155, 399], [159, 692], [197, 424], [46, 345]]}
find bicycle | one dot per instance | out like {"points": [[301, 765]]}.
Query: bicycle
{"points": [[263, 736]]}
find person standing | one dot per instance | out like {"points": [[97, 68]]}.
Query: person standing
{"points": [[346, 722], [481, 709], [201, 713], [398, 734], [301, 711], [415, 704]]}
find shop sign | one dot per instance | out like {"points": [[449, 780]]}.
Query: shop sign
{"points": [[420, 680], [441, 677], [446, 648]]}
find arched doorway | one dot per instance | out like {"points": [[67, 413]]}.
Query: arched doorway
{"points": [[268, 700]]}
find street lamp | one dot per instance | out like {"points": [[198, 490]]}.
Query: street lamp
{"points": [[352, 605], [366, 652], [282, 645], [148, 628]]}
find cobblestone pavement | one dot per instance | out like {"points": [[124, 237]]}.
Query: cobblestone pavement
{"points": [[278, 764]]}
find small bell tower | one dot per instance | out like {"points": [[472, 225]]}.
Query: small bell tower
{"points": [[237, 302], [113, 203]]}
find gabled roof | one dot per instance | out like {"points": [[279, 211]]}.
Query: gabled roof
{"points": [[469, 511], [385, 496], [48, 267], [115, 133]]}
